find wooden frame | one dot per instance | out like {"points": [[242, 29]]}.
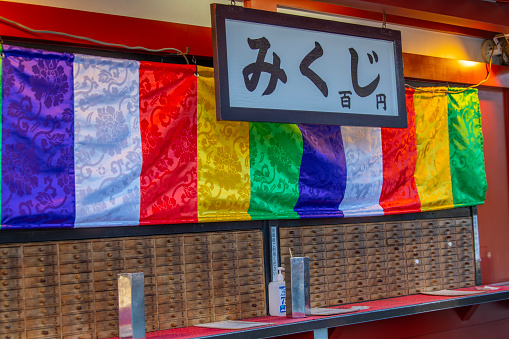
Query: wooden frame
{"points": [[227, 111]]}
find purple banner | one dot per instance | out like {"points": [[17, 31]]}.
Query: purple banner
{"points": [[38, 139], [322, 179]]}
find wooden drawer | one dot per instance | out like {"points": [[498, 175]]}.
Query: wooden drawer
{"points": [[375, 252], [198, 295], [395, 294], [139, 243], [11, 273], [197, 248], [249, 236], [165, 242], [232, 246], [199, 303], [377, 236], [395, 233], [314, 248], [107, 245], [43, 322], [425, 224], [335, 254], [412, 233], [355, 245], [82, 307], [44, 333], [374, 228], [66, 258], [355, 229], [174, 288], [164, 252], [200, 313], [318, 289], [357, 275], [41, 291], [249, 289], [225, 274], [105, 265], [356, 252], [13, 326], [199, 238], [140, 252], [394, 241], [353, 237], [171, 316], [79, 318], [357, 268], [171, 298], [332, 247], [333, 271], [169, 324], [83, 267], [75, 247], [10, 262], [337, 278], [290, 241], [377, 274], [252, 252], [248, 271], [336, 262], [224, 256], [40, 250], [411, 225], [356, 260], [313, 231], [197, 276], [223, 237], [226, 299], [290, 233], [197, 267], [372, 266], [317, 239], [334, 238], [50, 280], [333, 230], [318, 296], [43, 259], [12, 294], [108, 254], [10, 252], [375, 258], [225, 283], [172, 307], [393, 226], [252, 306], [378, 289], [463, 222]]}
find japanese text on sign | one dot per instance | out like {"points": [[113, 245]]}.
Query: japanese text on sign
{"points": [[277, 67]]}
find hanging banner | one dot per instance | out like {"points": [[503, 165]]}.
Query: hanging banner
{"points": [[275, 67]]}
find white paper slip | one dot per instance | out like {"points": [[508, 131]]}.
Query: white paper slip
{"points": [[233, 324], [448, 293], [486, 288], [334, 311]]}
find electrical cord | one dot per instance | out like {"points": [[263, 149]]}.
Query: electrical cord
{"points": [[94, 40], [423, 89]]}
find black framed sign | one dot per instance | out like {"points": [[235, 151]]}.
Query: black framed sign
{"points": [[284, 68]]}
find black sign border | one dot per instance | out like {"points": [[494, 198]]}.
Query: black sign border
{"points": [[225, 112]]}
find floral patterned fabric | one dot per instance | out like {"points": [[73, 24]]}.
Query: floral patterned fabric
{"points": [[399, 192], [107, 141], [168, 130], [92, 142], [465, 147], [364, 179], [37, 139], [223, 159]]}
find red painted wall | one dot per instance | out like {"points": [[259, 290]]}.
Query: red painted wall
{"points": [[494, 214]]}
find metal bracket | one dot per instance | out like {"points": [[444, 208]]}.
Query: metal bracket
{"points": [[466, 312]]}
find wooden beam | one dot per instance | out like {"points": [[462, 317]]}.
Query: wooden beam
{"points": [[421, 67]]}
